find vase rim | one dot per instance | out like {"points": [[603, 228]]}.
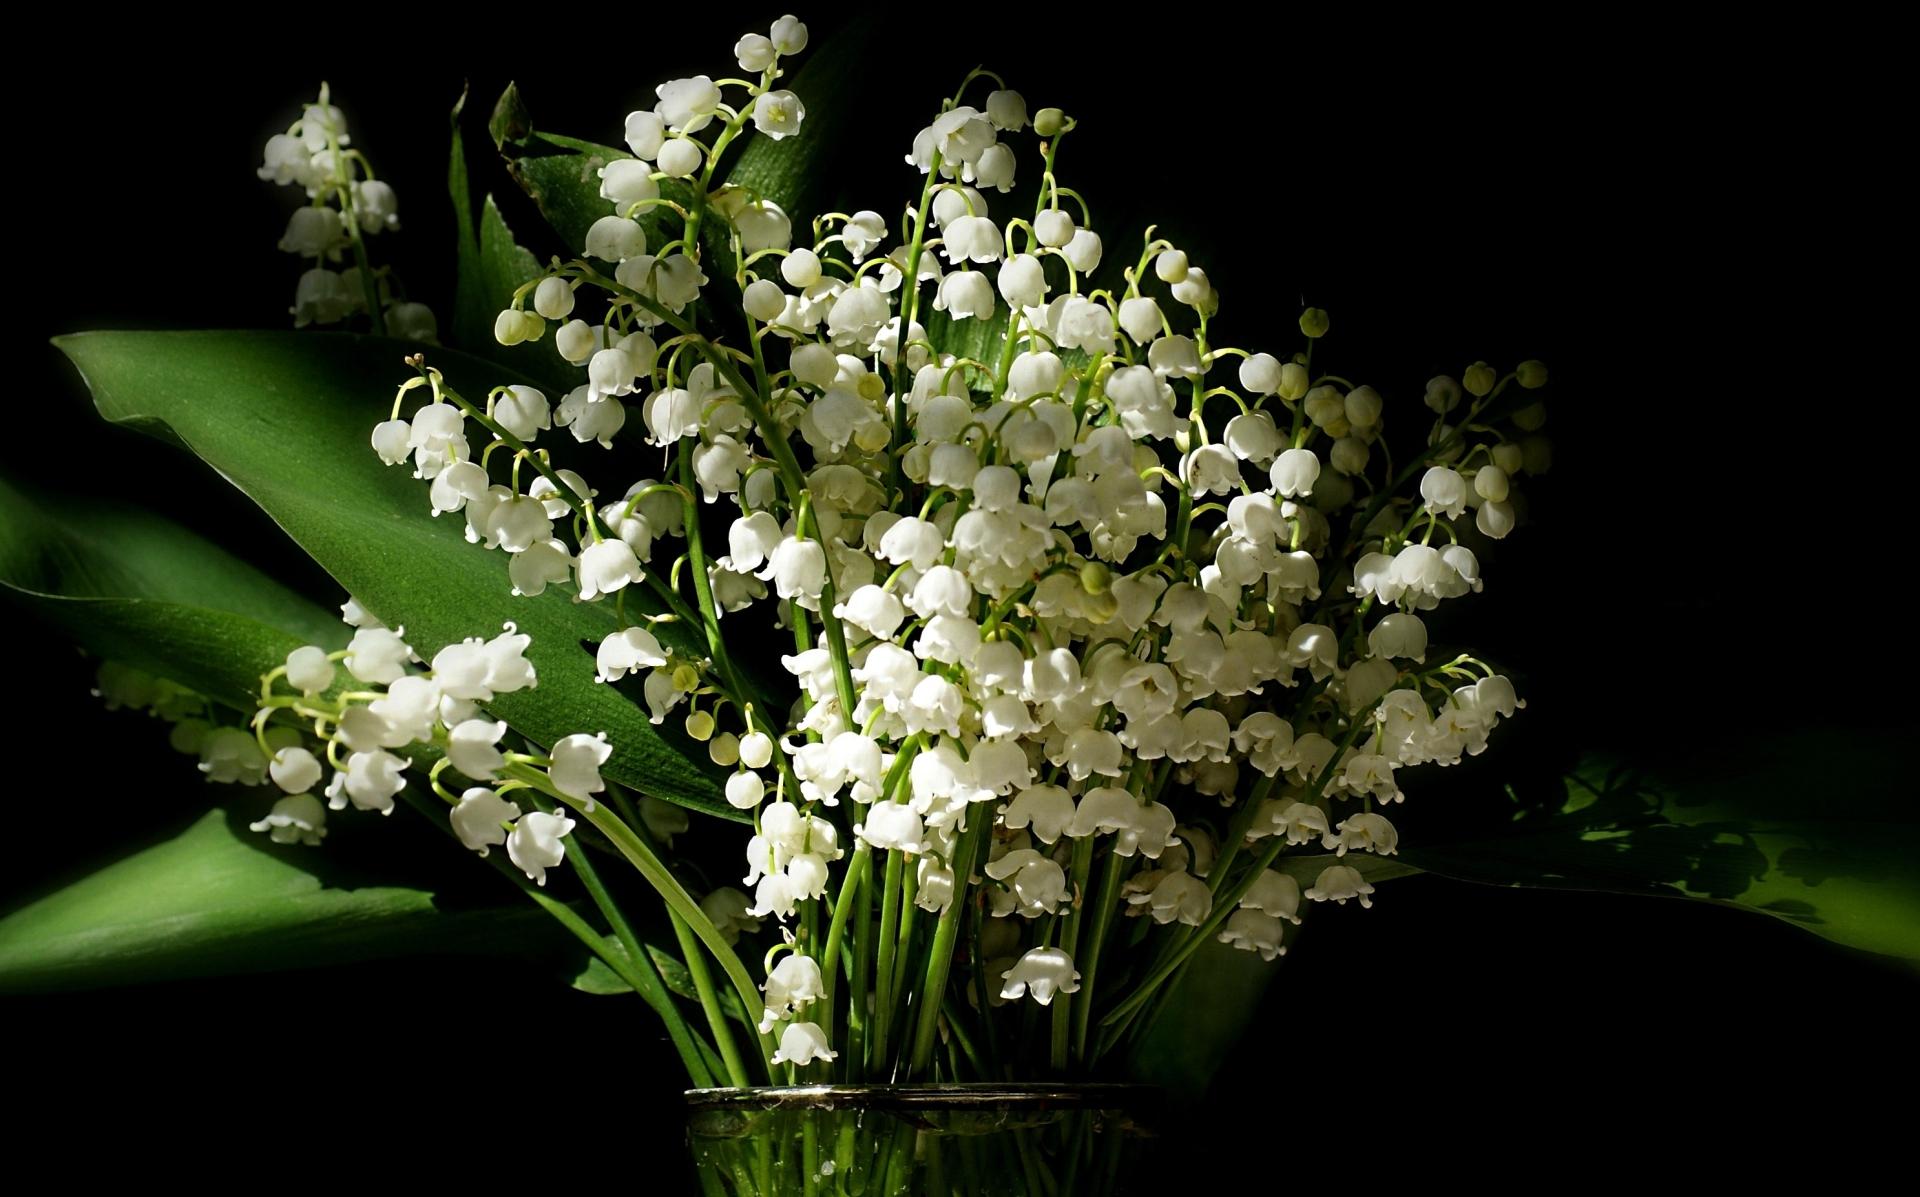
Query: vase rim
{"points": [[1040, 1095]]}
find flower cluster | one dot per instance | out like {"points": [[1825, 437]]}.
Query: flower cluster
{"points": [[346, 204], [1107, 620]]}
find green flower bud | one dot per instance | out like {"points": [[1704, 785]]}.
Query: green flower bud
{"points": [[1314, 322], [1100, 607], [1293, 381], [1095, 577], [1049, 121], [700, 725], [1531, 418], [686, 678], [1479, 379], [1533, 374]]}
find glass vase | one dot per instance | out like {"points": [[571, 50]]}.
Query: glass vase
{"points": [[920, 1141]]}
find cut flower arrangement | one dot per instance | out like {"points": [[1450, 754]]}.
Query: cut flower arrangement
{"points": [[898, 645]]}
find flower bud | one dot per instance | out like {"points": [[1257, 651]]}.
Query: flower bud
{"points": [[1531, 418], [1049, 121], [553, 298], [1095, 577], [1532, 374], [700, 725], [1314, 322], [1171, 266], [1479, 379]]}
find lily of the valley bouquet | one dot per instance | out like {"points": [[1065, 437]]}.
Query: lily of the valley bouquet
{"points": [[895, 644]]}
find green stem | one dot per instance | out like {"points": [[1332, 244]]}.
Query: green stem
{"points": [[656, 873], [1107, 896], [710, 1001], [635, 968], [850, 884], [883, 972], [1063, 1004], [933, 992]]}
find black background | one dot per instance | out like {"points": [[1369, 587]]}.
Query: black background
{"points": [[1691, 240]]}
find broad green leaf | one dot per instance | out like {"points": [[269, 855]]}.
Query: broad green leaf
{"points": [[286, 417], [562, 176], [596, 977], [136, 588], [1762, 826], [217, 898], [490, 266], [1206, 1016]]}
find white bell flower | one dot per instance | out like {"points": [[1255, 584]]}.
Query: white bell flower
{"points": [[605, 567], [295, 819], [1338, 883], [313, 232], [480, 819], [471, 748], [802, 1043], [1274, 893], [377, 655], [1180, 897], [863, 231], [614, 239], [687, 105], [1294, 473], [754, 52], [1084, 251], [286, 159], [1144, 829], [680, 157], [576, 766], [627, 651], [995, 168], [744, 790], [789, 35], [965, 294], [523, 411], [973, 239], [792, 983], [778, 114], [508, 669], [1364, 832], [308, 669], [321, 297], [892, 825], [1250, 930], [873, 610], [1400, 634], [535, 844], [1444, 491], [1042, 972], [798, 569], [1037, 885], [294, 770], [370, 781], [1140, 318]]}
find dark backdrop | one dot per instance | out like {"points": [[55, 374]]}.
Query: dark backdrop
{"points": [[1659, 225]]}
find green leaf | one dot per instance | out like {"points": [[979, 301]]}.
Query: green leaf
{"points": [[216, 899], [286, 417], [799, 172], [596, 977], [562, 175], [1206, 1016], [136, 588], [491, 265], [1761, 826]]}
